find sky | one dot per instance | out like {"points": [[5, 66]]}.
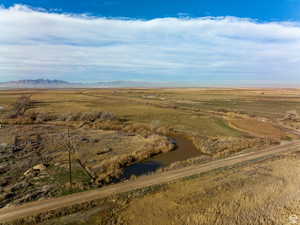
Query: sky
{"points": [[207, 42]]}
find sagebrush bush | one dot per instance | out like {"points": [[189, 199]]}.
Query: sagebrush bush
{"points": [[87, 116]]}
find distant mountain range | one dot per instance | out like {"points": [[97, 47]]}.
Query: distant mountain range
{"points": [[45, 83]]}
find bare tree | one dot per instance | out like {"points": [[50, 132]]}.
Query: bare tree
{"points": [[22, 104]]}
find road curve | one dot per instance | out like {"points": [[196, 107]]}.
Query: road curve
{"points": [[43, 206]]}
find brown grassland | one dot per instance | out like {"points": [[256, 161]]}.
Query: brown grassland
{"points": [[111, 129], [191, 110], [265, 192]]}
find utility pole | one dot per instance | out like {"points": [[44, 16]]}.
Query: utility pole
{"points": [[70, 159]]}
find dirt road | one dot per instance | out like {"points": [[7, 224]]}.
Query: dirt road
{"points": [[31, 209]]}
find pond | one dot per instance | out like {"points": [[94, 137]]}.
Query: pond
{"points": [[185, 150]]}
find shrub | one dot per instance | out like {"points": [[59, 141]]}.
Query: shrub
{"points": [[87, 116], [107, 116], [21, 105]]}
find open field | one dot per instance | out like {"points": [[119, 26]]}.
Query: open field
{"points": [[101, 133], [193, 110], [40, 207]]}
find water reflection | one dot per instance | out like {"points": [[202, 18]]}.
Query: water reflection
{"points": [[141, 168]]}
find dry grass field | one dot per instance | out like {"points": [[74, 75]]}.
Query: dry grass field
{"points": [[190, 110], [265, 192], [108, 130]]}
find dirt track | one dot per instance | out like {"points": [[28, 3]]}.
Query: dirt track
{"points": [[31, 209]]}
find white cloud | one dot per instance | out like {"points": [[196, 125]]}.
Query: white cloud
{"points": [[35, 43]]}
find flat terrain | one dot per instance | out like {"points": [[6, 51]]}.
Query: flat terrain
{"points": [[54, 204], [190, 110], [108, 137]]}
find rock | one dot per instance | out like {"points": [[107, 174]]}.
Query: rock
{"points": [[39, 167]]}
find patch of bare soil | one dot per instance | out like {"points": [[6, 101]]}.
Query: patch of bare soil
{"points": [[258, 128]]}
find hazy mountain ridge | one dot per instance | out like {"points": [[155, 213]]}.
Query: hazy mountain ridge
{"points": [[34, 83], [47, 83]]}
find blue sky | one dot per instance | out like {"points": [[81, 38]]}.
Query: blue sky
{"points": [[265, 10], [207, 42]]}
